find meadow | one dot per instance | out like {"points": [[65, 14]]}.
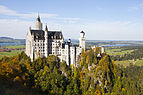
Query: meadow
{"points": [[117, 51], [17, 50], [125, 51]]}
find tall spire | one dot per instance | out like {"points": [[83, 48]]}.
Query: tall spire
{"points": [[46, 28], [38, 18], [38, 23]]}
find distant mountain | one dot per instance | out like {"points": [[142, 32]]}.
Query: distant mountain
{"points": [[6, 38], [11, 40]]}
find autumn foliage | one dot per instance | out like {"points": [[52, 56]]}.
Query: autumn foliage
{"points": [[94, 74]]}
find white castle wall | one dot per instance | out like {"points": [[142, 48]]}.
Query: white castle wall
{"points": [[46, 47]]}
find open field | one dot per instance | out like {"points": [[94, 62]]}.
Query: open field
{"points": [[117, 51], [128, 62], [15, 46], [126, 55], [125, 63], [12, 52], [139, 62]]}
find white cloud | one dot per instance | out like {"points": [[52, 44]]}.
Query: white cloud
{"points": [[6, 11], [14, 28], [115, 30]]}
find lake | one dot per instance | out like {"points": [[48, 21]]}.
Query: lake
{"points": [[9, 44]]}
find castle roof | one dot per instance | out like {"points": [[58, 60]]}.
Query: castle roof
{"points": [[55, 34], [81, 32], [38, 18], [39, 34]]}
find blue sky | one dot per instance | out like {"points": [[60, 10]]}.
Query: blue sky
{"points": [[100, 19]]}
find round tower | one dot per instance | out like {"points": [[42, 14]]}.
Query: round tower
{"points": [[38, 23], [82, 40]]}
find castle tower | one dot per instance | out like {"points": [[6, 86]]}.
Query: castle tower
{"points": [[102, 49], [82, 40], [46, 42], [38, 23]]}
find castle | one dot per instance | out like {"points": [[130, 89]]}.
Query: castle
{"points": [[42, 43]]}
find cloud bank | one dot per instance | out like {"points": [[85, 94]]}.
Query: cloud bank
{"points": [[71, 27]]}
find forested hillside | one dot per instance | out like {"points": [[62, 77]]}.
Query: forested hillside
{"points": [[48, 76]]}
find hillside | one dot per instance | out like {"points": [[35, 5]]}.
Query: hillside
{"points": [[48, 76], [11, 40]]}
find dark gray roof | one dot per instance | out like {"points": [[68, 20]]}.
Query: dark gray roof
{"points": [[75, 45], [39, 34], [81, 32], [55, 35], [38, 19]]}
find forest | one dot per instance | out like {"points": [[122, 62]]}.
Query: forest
{"points": [[48, 76]]}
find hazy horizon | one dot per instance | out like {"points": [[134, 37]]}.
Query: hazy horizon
{"points": [[78, 39]]}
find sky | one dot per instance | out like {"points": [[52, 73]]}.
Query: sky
{"points": [[99, 19]]}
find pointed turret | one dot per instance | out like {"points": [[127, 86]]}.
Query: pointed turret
{"points": [[46, 29], [38, 18], [38, 23]]}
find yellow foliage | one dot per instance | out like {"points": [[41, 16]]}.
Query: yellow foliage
{"points": [[44, 73], [97, 92], [17, 78], [123, 89], [81, 62], [56, 81], [81, 74], [118, 77], [28, 66], [35, 80], [87, 59], [51, 91], [106, 82]]}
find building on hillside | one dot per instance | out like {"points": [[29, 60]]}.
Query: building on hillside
{"points": [[101, 47], [42, 43]]}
